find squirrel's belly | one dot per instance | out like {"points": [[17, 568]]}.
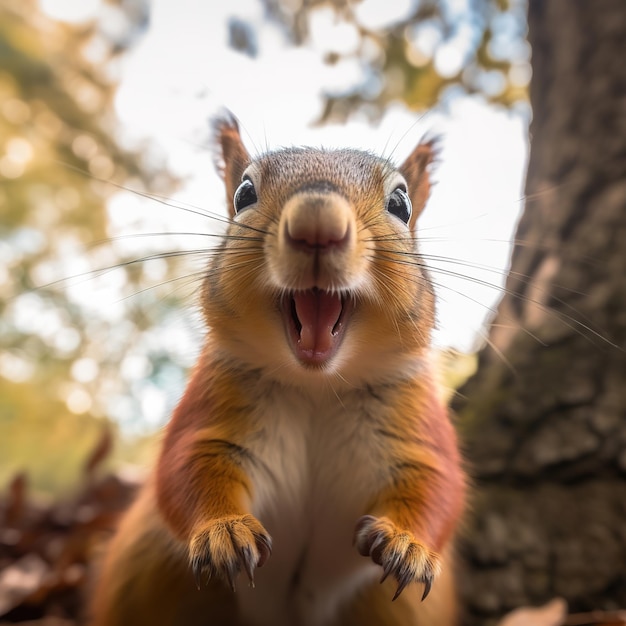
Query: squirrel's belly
{"points": [[309, 589], [312, 484]]}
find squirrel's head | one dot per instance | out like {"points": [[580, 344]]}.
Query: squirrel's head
{"points": [[319, 274]]}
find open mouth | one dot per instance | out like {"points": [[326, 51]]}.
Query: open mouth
{"points": [[315, 323]]}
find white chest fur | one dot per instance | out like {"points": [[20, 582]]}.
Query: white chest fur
{"points": [[314, 478]]}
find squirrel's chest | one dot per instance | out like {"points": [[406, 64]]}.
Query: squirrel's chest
{"points": [[312, 457], [315, 475]]}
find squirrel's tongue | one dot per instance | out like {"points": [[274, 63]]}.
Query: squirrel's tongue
{"points": [[318, 312]]}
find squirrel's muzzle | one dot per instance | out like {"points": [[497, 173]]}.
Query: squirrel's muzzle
{"points": [[317, 222], [316, 242]]}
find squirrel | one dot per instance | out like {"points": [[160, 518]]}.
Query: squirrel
{"points": [[310, 475]]}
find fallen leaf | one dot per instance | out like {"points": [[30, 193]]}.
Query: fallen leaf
{"points": [[100, 453], [20, 580], [551, 614], [16, 499]]}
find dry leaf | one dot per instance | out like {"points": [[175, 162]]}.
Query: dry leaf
{"points": [[16, 499], [100, 453], [20, 580], [551, 614], [46, 621]]}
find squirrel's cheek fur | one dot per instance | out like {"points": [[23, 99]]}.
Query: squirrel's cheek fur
{"points": [[390, 304], [309, 458]]}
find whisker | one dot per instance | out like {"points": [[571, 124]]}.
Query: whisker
{"points": [[182, 206], [525, 278], [383, 285], [520, 276], [96, 273], [570, 321], [488, 308], [102, 242], [388, 159], [251, 263], [206, 273], [193, 277]]}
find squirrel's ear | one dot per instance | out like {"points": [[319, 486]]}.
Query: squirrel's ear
{"points": [[231, 158], [416, 172]]}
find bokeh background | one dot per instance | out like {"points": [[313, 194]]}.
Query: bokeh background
{"points": [[107, 174]]}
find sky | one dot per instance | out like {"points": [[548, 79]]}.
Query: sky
{"points": [[181, 72]]}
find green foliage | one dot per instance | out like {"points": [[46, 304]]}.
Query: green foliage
{"points": [[41, 436], [418, 57], [59, 356]]}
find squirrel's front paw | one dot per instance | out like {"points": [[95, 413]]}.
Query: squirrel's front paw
{"points": [[397, 551], [224, 546]]}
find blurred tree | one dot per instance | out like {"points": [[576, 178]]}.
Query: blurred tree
{"points": [[544, 415], [59, 359], [413, 52]]}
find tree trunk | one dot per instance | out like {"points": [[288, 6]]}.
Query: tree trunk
{"points": [[544, 419]]}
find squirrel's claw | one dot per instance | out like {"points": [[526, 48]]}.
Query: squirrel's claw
{"points": [[196, 568], [225, 546], [428, 583], [397, 552], [400, 589], [248, 562], [264, 546], [249, 558]]}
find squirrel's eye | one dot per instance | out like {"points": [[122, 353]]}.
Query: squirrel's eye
{"points": [[399, 204], [245, 195]]}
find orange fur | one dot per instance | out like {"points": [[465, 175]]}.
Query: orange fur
{"points": [[298, 462]]}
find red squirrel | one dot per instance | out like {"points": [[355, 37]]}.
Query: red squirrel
{"points": [[310, 475]]}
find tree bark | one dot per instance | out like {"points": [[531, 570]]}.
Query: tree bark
{"points": [[544, 419]]}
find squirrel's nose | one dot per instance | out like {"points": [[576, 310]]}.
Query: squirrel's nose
{"points": [[314, 221]]}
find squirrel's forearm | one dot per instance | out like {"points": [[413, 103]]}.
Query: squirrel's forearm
{"points": [[426, 491], [200, 480], [200, 473], [425, 498]]}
